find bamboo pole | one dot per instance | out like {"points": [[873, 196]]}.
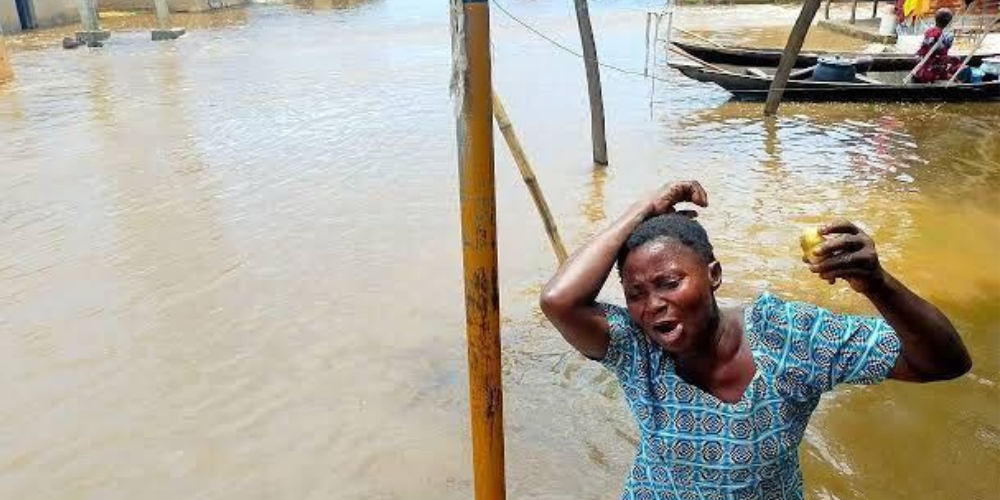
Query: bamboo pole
{"points": [[699, 37], [471, 79], [789, 56], [597, 137], [507, 129], [6, 71]]}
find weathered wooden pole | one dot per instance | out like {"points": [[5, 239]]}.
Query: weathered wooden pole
{"points": [[471, 84], [854, 11], [827, 12], [91, 34], [6, 71], [528, 175], [163, 29], [590, 63], [791, 53], [874, 9]]}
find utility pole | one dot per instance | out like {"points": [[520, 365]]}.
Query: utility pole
{"points": [[600, 144], [791, 53], [472, 87], [163, 29]]}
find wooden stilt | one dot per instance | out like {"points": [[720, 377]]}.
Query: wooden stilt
{"points": [[597, 137], [791, 53]]}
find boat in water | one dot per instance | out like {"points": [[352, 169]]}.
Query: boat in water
{"points": [[753, 84], [768, 58]]}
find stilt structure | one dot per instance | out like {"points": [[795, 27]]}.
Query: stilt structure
{"points": [[91, 34], [163, 29], [6, 71], [791, 53], [590, 63], [472, 88]]}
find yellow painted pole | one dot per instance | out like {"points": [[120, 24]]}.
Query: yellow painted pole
{"points": [[6, 72], [471, 81]]}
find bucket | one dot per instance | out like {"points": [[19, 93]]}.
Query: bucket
{"points": [[991, 66], [887, 24], [834, 69]]}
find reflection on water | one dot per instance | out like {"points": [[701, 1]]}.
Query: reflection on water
{"points": [[233, 259]]}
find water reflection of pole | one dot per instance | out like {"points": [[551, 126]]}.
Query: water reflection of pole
{"points": [[6, 72], [470, 27]]}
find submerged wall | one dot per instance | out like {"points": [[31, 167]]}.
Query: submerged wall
{"points": [[175, 5]]}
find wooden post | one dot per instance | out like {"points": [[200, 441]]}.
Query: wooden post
{"points": [[854, 11], [827, 14], [507, 129], [600, 145], [471, 84], [791, 53], [874, 9], [6, 72]]}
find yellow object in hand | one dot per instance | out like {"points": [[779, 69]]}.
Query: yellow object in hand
{"points": [[809, 240]]}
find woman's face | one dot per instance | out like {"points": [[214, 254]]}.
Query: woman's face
{"points": [[669, 293]]}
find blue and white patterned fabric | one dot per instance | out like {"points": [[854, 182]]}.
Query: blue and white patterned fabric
{"points": [[695, 446]]}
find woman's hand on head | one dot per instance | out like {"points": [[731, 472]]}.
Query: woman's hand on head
{"points": [[848, 253], [663, 200]]}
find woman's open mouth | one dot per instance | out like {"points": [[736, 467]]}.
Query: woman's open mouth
{"points": [[668, 331]]}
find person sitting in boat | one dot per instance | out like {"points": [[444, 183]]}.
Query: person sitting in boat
{"points": [[722, 396], [939, 66]]}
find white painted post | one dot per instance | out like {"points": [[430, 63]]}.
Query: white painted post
{"points": [[164, 31], [91, 34]]}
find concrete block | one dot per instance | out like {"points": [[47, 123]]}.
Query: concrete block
{"points": [[91, 37], [168, 34]]}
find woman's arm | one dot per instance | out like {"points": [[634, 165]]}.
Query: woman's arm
{"points": [[931, 347], [568, 300]]}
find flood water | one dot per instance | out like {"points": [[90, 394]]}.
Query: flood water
{"points": [[230, 265]]}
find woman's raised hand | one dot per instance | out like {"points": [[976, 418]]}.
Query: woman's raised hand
{"points": [[664, 199], [849, 253]]}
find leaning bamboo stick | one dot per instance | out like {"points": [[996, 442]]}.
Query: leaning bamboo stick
{"points": [[972, 52], [507, 129], [695, 35]]}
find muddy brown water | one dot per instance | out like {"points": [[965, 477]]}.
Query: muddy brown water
{"points": [[230, 268]]}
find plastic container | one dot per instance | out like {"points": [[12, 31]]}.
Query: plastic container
{"points": [[834, 69], [887, 24], [991, 66]]}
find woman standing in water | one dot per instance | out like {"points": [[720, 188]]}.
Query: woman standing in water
{"points": [[722, 396]]}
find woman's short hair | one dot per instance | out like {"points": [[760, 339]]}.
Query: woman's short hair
{"points": [[942, 17], [677, 227]]}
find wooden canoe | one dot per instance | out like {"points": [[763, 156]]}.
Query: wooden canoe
{"points": [[752, 85], [768, 58]]}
